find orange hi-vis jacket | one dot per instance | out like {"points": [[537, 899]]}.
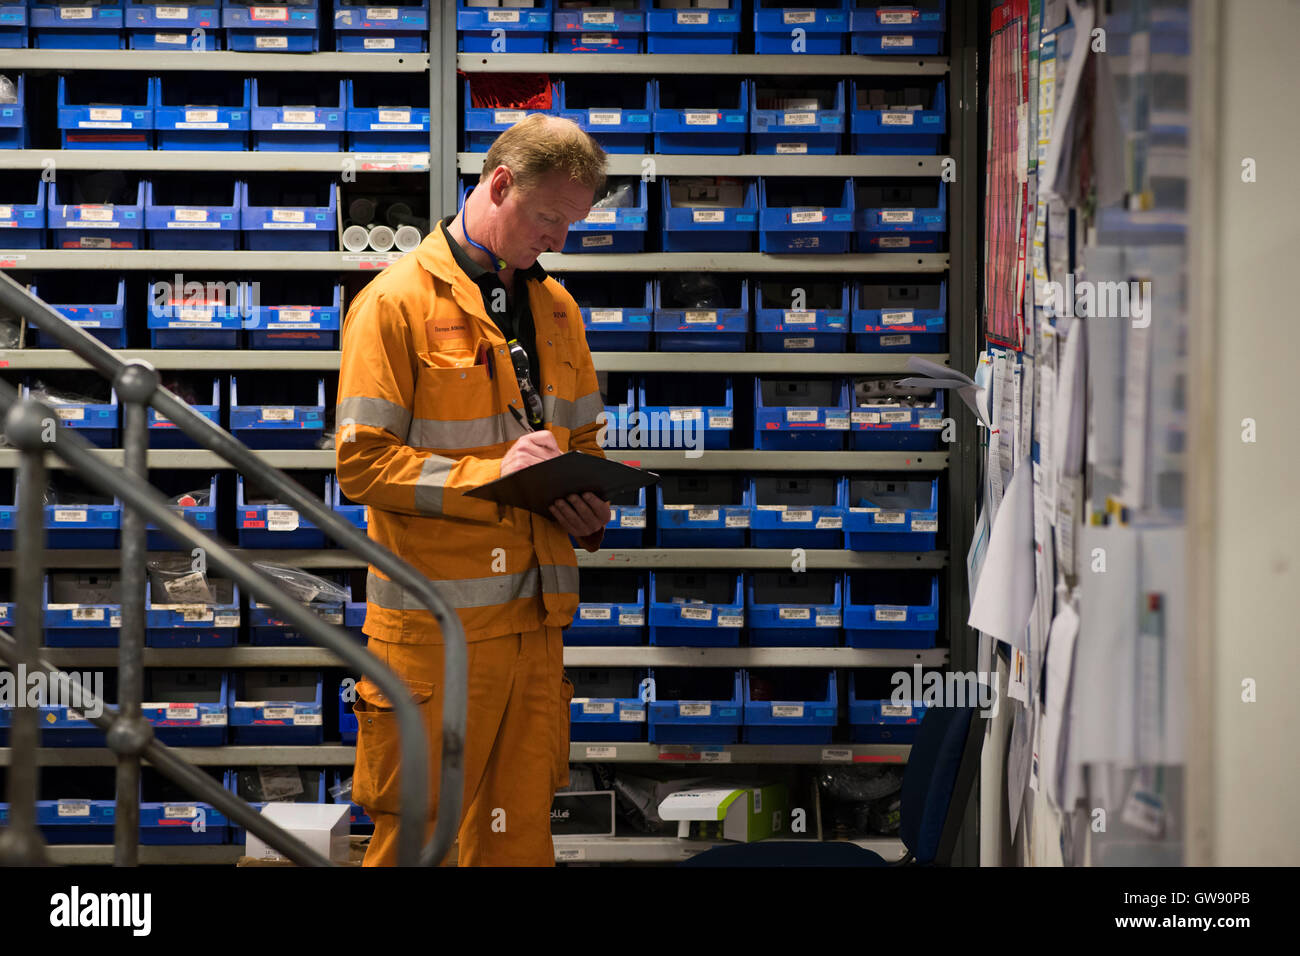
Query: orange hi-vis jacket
{"points": [[426, 388]]}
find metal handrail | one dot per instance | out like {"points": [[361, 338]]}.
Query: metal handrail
{"points": [[130, 736]]}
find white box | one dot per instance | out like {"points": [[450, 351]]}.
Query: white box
{"points": [[322, 826]]}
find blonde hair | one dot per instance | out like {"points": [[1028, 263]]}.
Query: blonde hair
{"points": [[539, 144]]}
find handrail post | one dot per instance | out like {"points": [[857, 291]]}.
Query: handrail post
{"points": [[21, 843], [130, 732]]}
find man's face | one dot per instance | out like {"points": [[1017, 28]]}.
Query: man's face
{"points": [[537, 220]]}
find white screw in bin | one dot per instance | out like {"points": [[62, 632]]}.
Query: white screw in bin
{"points": [[406, 238], [381, 238], [355, 238]]}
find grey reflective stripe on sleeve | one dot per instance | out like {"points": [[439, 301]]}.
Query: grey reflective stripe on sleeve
{"points": [[470, 433], [431, 483], [375, 412], [572, 414], [559, 578], [459, 593]]}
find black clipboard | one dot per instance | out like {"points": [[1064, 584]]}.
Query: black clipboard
{"points": [[534, 488]]}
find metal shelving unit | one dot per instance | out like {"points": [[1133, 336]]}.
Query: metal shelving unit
{"points": [[673, 164], [155, 160], [220, 60], [702, 64]]}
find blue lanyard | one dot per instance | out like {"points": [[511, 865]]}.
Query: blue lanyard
{"points": [[464, 224]]}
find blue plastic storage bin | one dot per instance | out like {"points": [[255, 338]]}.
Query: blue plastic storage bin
{"points": [[252, 25], [67, 26], [797, 705], [613, 228], [702, 510], [269, 707], [684, 410], [616, 314], [821, 26], [387, 114], [207, 313], [694, 117], [62, 710], [102, 314], [187, 708], [891, 513], [887, 417], [611, 609], [267, 628], [675, 29], [283, 425], [796, 511], [189, 214], [347, 717], [793, 609], [361, 26], [483, 124], [214, 113], [22, 209], [695, 219], [250, 783], [797, 117], [874, 717], [882, 122], [619, 403], [522, 27], [170, 815], [804, 215], [198, 510], [351, 512], [14, 128], [607, 704], [83, 214], [900, 316], [206, 394], [901, 216], [627, 523], [70, 524], [13, 24], [615, 110], [97, 421], [889, 609], [127, 123], [696, 608], [82, 608], [75, 805], [680, 326], [800, 414], [600, 29], [801, 315], [281, 122], [286, 214], [695, 705], [171, 623], [171, 27], [290, 310], [916, 28], [273, 525]]}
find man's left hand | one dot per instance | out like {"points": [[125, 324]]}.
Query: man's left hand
{"points": [[581, 516]]}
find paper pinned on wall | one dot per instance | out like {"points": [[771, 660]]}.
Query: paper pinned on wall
{"points": [[1054, 755], [1018, 759], [933, 375], [1005, 594]]}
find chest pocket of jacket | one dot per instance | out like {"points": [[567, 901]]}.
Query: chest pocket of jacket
{"points": [[455, 400], [558, 394]]}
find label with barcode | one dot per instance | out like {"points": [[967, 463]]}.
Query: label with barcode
{"points": [[170, 13], [95, 213], [837, 755], [299, 116], [685, 414], [731, 620], [306, 720], [604, 118], [787, 710], [738, 521], [589, 241], [925, 524], [102, 113], [115, 620], [74, 13], [892, 340], [69, 514], [226, 620], [801, 414], [693, 118], [797, 514], [272, 43], [700, 316], [277, 713], [800, 318], [708, 215], [895, 17], [277, 414], [88, 614], [896, 318], [895, 242], [503, 16], [381, 13], [719, 421], [596, 39], [212, 720], [507, 117], [636, 619], [179, 811], [594, 613], [633, 521], [268, 13], [702, 514], [287, 215], [895, 710], [807, 215], [565, 854], [597, 18], [899, 41], [895, 119], [598, 707], [177, 38], [798, 343], [191, 215], [828, 620], [788, 148], [889, 517], [293, 315], [378, 43], [896, 417], [865, 418], [800, 119], [394, 116], [182, 711], [284, 519], [602, 753], [696, 613], [696, 709], [830, 522], [74, 808], [891, 614], [930, 422], [602, 216], [606, 315], [692, 17], [196, 615], [635, 715], [896, 215], [795, 614]]}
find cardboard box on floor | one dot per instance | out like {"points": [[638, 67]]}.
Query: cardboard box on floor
{"points": [[747, 813], [356, 853]]}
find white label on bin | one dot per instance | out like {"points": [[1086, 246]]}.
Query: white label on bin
{"points": [[795, 614], [189, 588], [596, 39], [182, 712], [800, 119], [277, 414], [597, 18], [896, 417], [277, 713], [268, 13], [865, 418], [95, 213], [925, 524], [892, 614], [195, 315], [708, 215], [787, 148], [299, 116], [694, 118], [807, 215], [381, 13], [803, 514], [895, 242], [191, 215], [507, 117], [896, 318], [895, 17], [6, 212], [74, 13], [828, 620], [74, 808], [306, 720], [590, 241], [293, 315], [105, 113], [287, 215], [115, 620], [606, 315], [685, 709], [798, 16], [798, 343], [566, 854], [170, 13], [731, 620], [719, 421], [88, 614], [738, 521], [594, 613], [800, 318], [270, 43], [633, 521], [634, 715], [503, 16], [69, 514], [635, 619], [71, 714], [677, 507], [281, 520], [826, 522], [837, 755], [895, 710], [602, 216], [604, 118], [685, 414], [598, 707], [715, 756], [211, 720], [696, 613], [895, 119], [73, 413], [889, 340], [200, 116], [702, 514], [787, 710], [394, 116], [196, 615], [693, 17], [835, 422], [177, 38], [934, 422], [899, 41], [801, 414], [330, 618], [602, 753], [889, 517], [180, 811], [378, 43], [700, 316], [98, 242], [226, 620], [896, 215]]}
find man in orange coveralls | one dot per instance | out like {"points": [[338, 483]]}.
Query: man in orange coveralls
{"points": [[462, 362]]}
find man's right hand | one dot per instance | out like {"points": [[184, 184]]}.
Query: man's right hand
{"points": [[529, 450]]}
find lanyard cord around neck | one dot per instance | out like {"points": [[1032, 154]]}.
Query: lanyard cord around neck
{"points": [[464, 225]]}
